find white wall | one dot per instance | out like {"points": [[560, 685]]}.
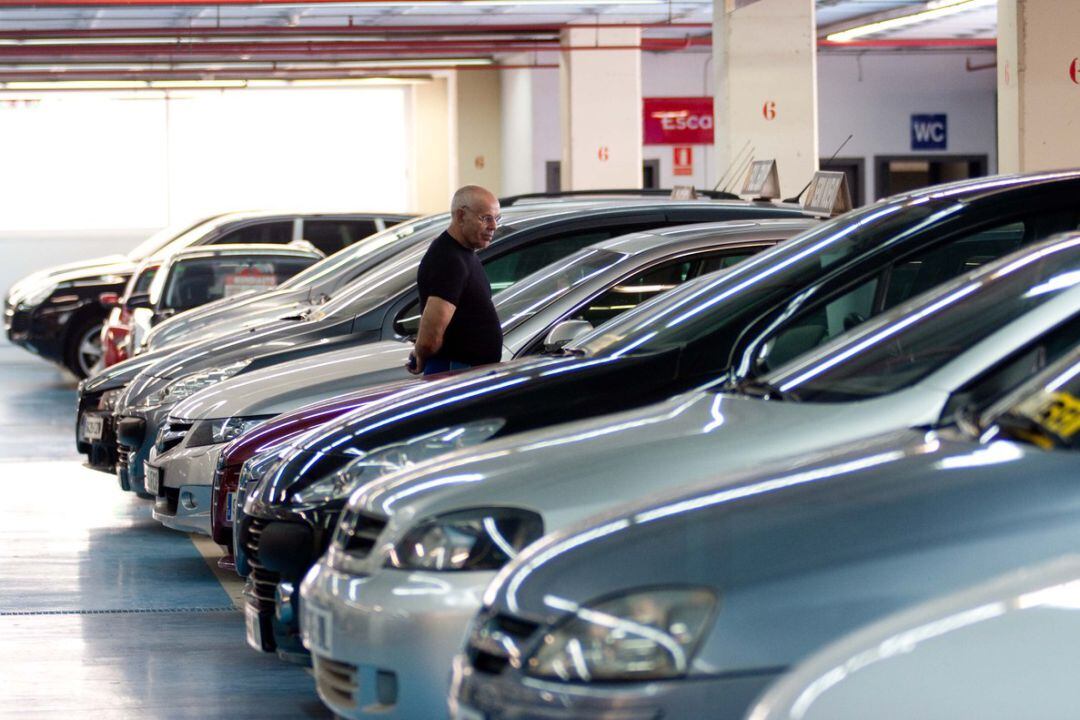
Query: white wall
{"points": [[101, 160], [873, 96], [547, 131]]}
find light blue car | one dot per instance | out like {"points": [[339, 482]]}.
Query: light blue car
{"points": [[690, 606]]}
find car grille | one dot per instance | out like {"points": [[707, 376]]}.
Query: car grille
{"points": [[264, 582], [170, 435], [359, 536], [337, 681], [494, 639]]}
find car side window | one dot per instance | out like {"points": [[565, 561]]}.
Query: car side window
{"points": [[276, 233], [635, 290], [818, 324], [925, 270], [329, 236], [902, 281], [200, 281], [507, 269]]}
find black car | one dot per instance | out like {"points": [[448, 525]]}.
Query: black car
{"points": [[789, 300], [58, 313]]}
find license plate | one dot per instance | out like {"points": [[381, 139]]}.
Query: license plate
{"points": [[467, 713], [93, 427], [320, 629], [230, 499], [153, 478], [252, 627]]}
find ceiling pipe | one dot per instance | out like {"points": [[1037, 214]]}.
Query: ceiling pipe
{"points": [[345, 30], [911, 43]]}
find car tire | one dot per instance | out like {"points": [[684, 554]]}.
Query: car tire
{"points": [[83, 348]]}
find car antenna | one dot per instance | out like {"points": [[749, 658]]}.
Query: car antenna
{"points": [[731, 165], [797, 198], [744, 167]]}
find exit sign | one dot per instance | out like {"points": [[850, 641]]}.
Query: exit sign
{"points": [[929, 132]]}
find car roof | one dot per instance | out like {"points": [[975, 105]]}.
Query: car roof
{"points": [[243, 249], [733, 231]]}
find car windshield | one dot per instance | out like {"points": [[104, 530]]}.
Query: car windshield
{"points": [[383, 282], [525, 298], [905, 345], [701, 307], [197, 281], [404, 233], [1045, 412], [166, 235]]}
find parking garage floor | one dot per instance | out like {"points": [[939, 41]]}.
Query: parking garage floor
{"points": [[104, 613]]}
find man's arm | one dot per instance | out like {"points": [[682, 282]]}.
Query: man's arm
{"points": [[429, 338]]}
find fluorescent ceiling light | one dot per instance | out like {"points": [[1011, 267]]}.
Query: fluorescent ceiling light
{"points": [[27, 86], [933, 11]]}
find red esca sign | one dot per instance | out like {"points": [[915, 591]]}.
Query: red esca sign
{"points": [[678, 121]]}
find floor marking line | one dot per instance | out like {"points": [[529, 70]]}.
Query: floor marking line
{"points": [[130, 611]]}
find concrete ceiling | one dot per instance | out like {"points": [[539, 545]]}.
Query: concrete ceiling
{"points": [[65, 39]]}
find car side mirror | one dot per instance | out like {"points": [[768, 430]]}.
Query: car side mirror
{"points": [[139, 301], [565, 333]]}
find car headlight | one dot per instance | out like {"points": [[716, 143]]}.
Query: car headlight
{"points": [[394, 457], [214, 432], [34, 296], [479, 539], [108, 399], [643, 635], [188, 385]]}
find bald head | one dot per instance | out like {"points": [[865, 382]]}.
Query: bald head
{"points": [[474, 214]]}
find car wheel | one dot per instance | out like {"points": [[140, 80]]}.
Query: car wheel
{"points": [[83, 350]]}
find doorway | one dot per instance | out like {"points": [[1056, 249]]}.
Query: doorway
{"points": [[902, 173]]}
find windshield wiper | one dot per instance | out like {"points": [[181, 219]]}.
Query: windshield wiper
{"points": [[762, 389]]}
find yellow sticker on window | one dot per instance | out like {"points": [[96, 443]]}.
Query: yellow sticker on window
{"points": [[1061, 415]]}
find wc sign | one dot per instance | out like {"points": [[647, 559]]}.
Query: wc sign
{"points": [[929, 132]]}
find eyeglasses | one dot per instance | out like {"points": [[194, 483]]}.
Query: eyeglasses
{"points": [[486, 219]]}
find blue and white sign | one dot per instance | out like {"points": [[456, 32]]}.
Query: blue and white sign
{"points": [[929, 132]]}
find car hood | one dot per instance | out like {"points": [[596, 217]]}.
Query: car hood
{"points": [[120, 374], [286, 386], [227, 314], [570, 471], [288, 425], [524, 393], [798, 555], [87, 270]]}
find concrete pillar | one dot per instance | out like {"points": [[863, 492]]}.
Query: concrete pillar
{"points": [[430, 145], [517, 128], [1038, 85], [764, 57], [600, 105], [476, 117]]}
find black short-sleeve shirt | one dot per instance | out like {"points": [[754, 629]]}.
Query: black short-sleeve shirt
{"points": [[453, 273]]}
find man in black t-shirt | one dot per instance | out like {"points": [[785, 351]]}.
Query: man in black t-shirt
{"points": [[458, 324]]}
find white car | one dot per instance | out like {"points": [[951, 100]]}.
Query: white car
{"points": [[1003, 650], [630, 269], [413, 554]]}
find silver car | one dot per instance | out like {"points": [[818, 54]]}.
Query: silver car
{"points": [[590, 286], [691, 604], [1005, 649], [309, 288], [414, 553]]}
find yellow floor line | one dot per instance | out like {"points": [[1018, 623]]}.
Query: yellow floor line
{"points": [[230, 581]]}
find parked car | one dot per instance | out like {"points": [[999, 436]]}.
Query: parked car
{"points": [[820, 278], [590, 286], [1006, 648], [58, 314], [379, 304], [692, 604], [453, 522], [310, 288], [116, 331], [191, 278]]}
